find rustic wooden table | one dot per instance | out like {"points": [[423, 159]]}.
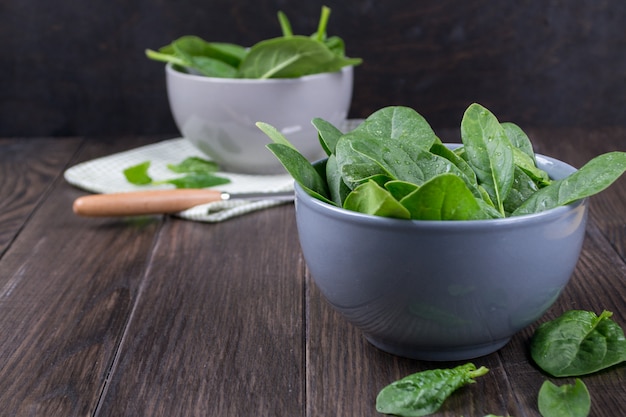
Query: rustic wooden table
{"points": [[158, 316]]}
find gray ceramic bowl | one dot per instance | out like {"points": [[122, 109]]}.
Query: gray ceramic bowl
{"points": [[218, 115], [441, 290]]}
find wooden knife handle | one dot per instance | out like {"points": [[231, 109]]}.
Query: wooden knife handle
{"points": [[143, 202]]}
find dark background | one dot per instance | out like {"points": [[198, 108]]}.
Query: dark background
{"points": [[77, 67]]}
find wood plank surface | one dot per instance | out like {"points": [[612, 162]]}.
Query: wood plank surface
{"points": [[28, 167], [67, 286], [217, 329]]}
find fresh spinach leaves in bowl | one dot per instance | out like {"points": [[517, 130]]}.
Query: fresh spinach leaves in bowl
{"points": [[394, 165], [288, 56]]}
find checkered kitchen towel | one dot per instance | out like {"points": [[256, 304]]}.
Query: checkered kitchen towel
{"points": [[105, 175]]}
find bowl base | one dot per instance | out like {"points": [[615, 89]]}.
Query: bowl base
{"points": [[439, 353]]}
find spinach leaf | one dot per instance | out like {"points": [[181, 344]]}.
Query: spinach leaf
{"points": [[595, 176], [215, 59], [522, 188], [302, 171], [424, 392], [194, 164], [489, 152], [357, 167], [201, 174], [196, 180], [444, 197], [445, 152], [371, 198], [336, 44], [294, 56], [528, 165], [210, 59], [519, 139], [138, 174], [578, 343], [328, 135], [274, 134], [564, 401], [400, 189], [373, 156], [337, 189], [402, 124], [291, 57]]}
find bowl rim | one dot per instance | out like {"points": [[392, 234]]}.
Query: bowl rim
{"points": [[340, 213], [170, 70]]}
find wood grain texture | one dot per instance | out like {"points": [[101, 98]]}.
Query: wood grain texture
{"points": [[82, 70], [227, 338], [28, 168], [67, 288]]}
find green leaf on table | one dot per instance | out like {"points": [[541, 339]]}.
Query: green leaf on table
{"points": [[423, 393], [196, 180], [578, 343], [564, 401], [138, 174], [194, 164], [201, 174], [595, 176]]}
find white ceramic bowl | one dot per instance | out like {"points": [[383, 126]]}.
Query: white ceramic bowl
{"points": [[218, 115]]}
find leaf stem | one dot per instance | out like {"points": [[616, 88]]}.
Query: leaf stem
{"points": [[478, 372], [321, 28], [285, 26], [159, 56]]}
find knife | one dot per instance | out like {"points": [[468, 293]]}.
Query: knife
{"points": [[134, 203]]}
